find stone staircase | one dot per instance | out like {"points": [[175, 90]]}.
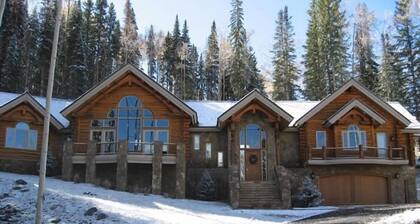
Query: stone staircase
{"points": [[259, 195]]}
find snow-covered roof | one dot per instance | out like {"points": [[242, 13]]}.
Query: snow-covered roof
{"points": [[56, 105], [209, 111]]}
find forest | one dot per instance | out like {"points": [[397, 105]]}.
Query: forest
{"points": [[93, 43]]}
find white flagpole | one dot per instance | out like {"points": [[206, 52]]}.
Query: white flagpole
{"points": [[2, 6], [47, 116]]}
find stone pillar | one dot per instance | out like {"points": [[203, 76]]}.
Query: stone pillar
{"points": [[90, 162], [180, 170], [234, 186], [283, 182], [122, 167], [67, 164], [157, 168]]}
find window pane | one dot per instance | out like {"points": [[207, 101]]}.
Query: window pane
{"points": [[96, 123], [208, 150], [253, 137], [381, 138], [147, 113], [363, 138], [109, 136], [320, 139], [33, 139], [148, 136], [111, 113], [345, 140], [242, 139], [163, 136], [10, 137], [148, 123], [220, 159], [97, 136], [22, 125], [109, 123], [162, 123], [353, 139], [197, 142], [21, 138]]}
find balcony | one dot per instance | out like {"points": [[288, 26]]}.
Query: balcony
{"points": [[137, 152], [359, 155]]}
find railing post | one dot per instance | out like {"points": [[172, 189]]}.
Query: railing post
{"points": [[404, 152], [180, 171], [157, 168], [67, 164], [121, 177], [324, 152], [389, 152], [90, 162], [361, 154]]}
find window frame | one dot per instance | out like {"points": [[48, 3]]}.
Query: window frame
{"points": [[196, 142], [361, 137], [208, 152], [29, 133], [220, 159]]}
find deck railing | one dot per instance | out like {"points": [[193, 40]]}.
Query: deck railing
{"points": [[360, 152], [144, 148]]}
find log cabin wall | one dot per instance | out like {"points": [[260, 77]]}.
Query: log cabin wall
{"points": [[99, 106], [391, 127], [26, 113]]}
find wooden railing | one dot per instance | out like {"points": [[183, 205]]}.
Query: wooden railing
{"points": [[361, 152], [145, 148]]}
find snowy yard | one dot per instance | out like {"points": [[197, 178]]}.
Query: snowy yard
{"points": [[69, 201]]}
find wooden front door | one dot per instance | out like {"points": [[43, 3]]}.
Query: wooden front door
{"points": [[252, 165]]}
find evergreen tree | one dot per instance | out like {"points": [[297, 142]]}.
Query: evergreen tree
{"points": [[285, 70], [31, 48], [201, 81], [192, 69], [237, 72], [101, 39], [113, 41], [151, 53], [129, 37], [326, 49], [254, 79], [366, 66], [168, 63], [408, 47], [76, 70], [212, 66], [391, 75], [89, 41]]}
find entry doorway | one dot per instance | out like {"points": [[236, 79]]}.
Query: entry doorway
{"points": [[253, 156]]}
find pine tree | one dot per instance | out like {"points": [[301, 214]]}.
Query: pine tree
{"points": [[366, 66], [326, 49], [89, 41], [31, 48], [113, 40], [314, 79], [101, 39], [168, 63], [237, 72], [408, 47], [192, 69], [285, 70], [151, 53], [76, 70], [201, 81], [225, 52], [12, 34], [254, 79], [391, 74], [212, 66], [129, 37]]}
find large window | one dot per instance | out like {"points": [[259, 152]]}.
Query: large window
{"points": [[252, 137], [131, 122], [21, 137], [353, 137]]}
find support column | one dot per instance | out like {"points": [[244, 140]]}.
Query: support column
{"points": [[157, 168], [283, 183], [67, 164], [90, 162], [180, 170], [122, 166], [234, 186]]}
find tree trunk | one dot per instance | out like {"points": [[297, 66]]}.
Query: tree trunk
{"points": [[2, 6]]}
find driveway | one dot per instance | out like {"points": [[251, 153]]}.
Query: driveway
{"points": [[367, 214]]}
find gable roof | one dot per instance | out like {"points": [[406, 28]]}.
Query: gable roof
{"points": [[28, 98], [348, 107], [122, 71], [361, 88], [254, 95]]}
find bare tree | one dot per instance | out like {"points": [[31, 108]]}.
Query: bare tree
{"points": [[2, 6]]}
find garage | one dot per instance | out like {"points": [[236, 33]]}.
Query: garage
{"points": [[353, 189]]}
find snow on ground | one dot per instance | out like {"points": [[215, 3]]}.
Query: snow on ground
{"points": [[69, 201], [406, 217]]}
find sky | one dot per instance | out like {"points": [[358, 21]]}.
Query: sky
{"points": [[260, 16]]}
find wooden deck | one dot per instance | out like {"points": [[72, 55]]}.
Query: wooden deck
{"points": [[80, 158]]}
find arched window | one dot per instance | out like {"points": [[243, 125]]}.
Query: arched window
{"points": [[129, 121], [353, 137], [252, 137], [21, 137]]}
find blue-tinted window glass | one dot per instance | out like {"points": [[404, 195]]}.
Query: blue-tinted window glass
{"points": [[147, 113], [162, 123], [253, 136]]}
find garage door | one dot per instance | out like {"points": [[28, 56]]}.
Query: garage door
{"points": [[354, 189]]}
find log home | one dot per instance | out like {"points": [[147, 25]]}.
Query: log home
{"points": [[130, 133]]}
